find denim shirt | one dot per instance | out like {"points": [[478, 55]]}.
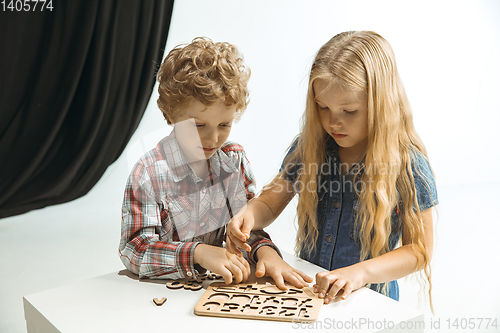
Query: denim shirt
{"points": [[338, 244]]}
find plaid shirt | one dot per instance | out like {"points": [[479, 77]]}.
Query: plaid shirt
{"points": [[163, 197]]}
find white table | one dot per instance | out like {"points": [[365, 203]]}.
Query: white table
{"points": [[120, 302]]}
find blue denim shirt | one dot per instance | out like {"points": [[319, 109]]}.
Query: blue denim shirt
{"points": [[338, 244]]}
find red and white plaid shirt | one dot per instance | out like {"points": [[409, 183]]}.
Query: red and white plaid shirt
{"points": [[168, 210]]}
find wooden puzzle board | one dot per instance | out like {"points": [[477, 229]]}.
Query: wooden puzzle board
{"points": [[259, 301]]}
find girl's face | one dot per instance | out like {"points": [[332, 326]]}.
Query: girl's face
{"points": [[202, 129], [344, 114]]}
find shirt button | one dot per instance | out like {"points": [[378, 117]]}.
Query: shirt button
{"points": [[336, 204], [329, 239], [202, 224], [189, 274]]}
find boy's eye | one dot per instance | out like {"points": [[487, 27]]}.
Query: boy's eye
{"points": [[200, 125], [225, 125]]}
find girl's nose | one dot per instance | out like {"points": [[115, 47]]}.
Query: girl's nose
{"points": [[335, 122]]}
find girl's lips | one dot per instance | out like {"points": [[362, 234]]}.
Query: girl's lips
{"points": [[339, 136], [208, 149]]}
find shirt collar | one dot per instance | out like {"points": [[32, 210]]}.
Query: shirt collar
{"points": [[332, 149], [220, 159]]}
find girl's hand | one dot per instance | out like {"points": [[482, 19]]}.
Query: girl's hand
{"points": [[218, 260], [330, 284], [271, 264], [238, 231]]}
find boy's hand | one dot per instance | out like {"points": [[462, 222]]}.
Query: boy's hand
{"points": [[219, 261], [271, 264], [238, 231]]}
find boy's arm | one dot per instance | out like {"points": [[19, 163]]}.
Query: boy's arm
{"points": [[141, 250]]}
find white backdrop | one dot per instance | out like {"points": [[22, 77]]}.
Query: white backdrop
{"points": [[447, 53]]}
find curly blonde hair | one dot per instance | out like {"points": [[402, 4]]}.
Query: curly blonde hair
{"points": [[205, 71]]}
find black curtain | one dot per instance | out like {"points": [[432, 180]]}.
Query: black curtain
{"points": [[74, 84]]}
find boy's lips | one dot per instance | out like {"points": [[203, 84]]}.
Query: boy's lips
{"points": [[208, 149]]}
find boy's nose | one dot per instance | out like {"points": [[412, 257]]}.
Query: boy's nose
{"points": [[211, 139]]}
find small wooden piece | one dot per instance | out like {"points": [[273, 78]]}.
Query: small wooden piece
{"points": [[191, 284], [213, 276], [175, 284], [259, 301], [159, 302]]}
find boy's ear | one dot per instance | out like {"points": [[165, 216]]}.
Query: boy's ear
{"points": [[166, 117], [175, 118], [170, 120]]}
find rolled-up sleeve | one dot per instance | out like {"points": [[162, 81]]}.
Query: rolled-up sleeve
{"points": [[425, 183]]}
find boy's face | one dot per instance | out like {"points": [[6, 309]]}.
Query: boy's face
{"points": [[202, 129]]}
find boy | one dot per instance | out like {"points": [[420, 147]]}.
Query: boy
{"points": [[181, 194]]}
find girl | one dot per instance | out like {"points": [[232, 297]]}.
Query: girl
{"points": [[364, 181]]}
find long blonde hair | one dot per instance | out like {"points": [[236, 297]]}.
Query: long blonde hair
{"points": [[364, 61]]}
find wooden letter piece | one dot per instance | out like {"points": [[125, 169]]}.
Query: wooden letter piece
{"points": [[176, 284], [159, 302], [191, 284]]}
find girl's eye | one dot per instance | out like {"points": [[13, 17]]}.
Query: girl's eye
{"points": [[199, 125], [322, 107], [350, 111], [225, 125]]}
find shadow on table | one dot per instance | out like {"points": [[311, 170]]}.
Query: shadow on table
{"points": [[130, 275], [251, 280]]}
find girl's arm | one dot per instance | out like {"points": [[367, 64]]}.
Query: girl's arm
{"points": [[387, 267], [258, 214]]}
